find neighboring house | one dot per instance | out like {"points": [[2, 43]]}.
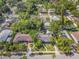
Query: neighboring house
{"points": [[51, 11], [75, 18], [22, 38], [54, 18], [74, 1], [8, 22], [75, 36], [5, 35], [47, 25], [43, 10], [2, 20], [43, 14], [77, 7], [44, 37], [5, 24]]}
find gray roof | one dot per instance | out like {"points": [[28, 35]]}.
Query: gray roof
{"points": [[4, 34], [44, 37]]}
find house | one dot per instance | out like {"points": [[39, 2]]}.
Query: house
{"points": [[5, 24], [43, 13], [77, 7], [54, 17], [22, 38], [51, 11], [47, 25], [75, 36], [74, 1], [44, 37], [5, 35], [2, 20], [75, 19]]}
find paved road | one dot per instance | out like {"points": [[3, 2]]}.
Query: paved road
{"points": [[51, 57], [76, 56], [12, 57], [41, 57], [67, 57], [56, 50]]}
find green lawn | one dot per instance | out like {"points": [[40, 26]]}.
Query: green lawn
{"points": [[49, 47]]}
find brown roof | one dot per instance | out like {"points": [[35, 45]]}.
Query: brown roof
{"points": [[22, 38], [75, 18], [75, 35]]}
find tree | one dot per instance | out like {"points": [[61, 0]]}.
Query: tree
{"points": [[65, 45], [1, 3], [24, 57], [12, 2], [55, 27], [38, 44], [52, 40], [22, 47], [61, 6], [23, 15], [33, 34], [5, 9], [48, 5], [19, 26]]}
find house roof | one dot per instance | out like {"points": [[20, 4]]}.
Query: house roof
{"points": [[75, 18], [44, 37], [75, 36], [4, 34], [51, 10], [43, 10], [55, 17], [22, 38]]}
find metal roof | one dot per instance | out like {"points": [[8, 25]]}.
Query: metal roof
{"points": [[4, 34]]}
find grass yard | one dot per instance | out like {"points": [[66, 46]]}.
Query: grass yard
{"points": [[49, 47], [34, 48]]}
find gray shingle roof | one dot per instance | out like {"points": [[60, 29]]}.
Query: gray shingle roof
{"points": [[4, 34], [44, 37]]}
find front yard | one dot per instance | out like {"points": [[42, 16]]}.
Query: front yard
{"points": [[45, 47], [49, 47]]}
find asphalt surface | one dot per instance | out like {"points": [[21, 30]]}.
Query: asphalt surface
{"points": [[57, 57]]}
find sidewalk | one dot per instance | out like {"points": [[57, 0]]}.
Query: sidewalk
{"points": [[56, 50]]}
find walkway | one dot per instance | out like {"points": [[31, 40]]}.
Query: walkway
{"points": [[56, 50]]}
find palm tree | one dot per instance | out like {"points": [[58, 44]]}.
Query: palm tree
{"points": [[55, 27], [61, 6]]}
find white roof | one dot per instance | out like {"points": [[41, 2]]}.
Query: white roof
{"points": [[4, 34], [77, 7], [51, 10], [47, 24], [56, 18]]}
